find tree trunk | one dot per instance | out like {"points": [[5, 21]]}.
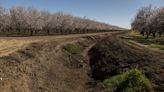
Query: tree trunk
{"points": [[48, 32], [24, 31], [147, 35], [160, 33], [154, 34], [142, 33], [31, 33]]}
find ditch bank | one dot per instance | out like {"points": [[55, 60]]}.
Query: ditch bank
{"points": [[111, 57], [81, 66]]}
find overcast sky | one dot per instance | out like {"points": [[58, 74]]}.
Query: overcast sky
{"points": [[115, 12]]}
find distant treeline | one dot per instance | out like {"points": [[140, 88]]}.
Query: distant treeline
{"points": [[30, 21], [149, 21]]}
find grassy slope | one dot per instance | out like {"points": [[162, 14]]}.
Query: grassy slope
{"points": [[135, 38]]}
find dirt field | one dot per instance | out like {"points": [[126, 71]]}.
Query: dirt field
{"points": [[40, 64], [12, 44]]}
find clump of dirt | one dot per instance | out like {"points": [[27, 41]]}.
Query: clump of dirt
{"points": [[112, 56]]}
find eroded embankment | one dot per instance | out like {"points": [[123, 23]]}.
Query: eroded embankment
{"points": [[112, 56], [47, 67]]}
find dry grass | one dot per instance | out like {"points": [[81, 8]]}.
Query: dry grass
{"points": [[45, 66], [8, 46], [12, 44]]}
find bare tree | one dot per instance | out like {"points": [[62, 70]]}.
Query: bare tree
{"points": [[149, 21], [1, 17], [140, 21], [159, 19], [46, 21], [34, 18]]}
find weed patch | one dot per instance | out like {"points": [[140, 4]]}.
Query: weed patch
{"points": [[72, 48], [131, 81]]}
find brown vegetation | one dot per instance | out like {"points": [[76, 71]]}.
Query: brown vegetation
{"points": [[45, 66]]}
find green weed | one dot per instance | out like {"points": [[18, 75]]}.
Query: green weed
{"points": [[131, 81], [72, 48]]}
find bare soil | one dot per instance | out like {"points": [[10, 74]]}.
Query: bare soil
{"points": [[39, 64]]}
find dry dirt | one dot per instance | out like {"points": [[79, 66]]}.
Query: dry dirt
{"points": [[39, 64], [12, 44]]}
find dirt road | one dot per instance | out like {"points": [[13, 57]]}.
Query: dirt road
{"points": [[12, 44]]}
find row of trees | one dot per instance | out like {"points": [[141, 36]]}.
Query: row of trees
{"points": [[20, 20], [149, 21]]}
